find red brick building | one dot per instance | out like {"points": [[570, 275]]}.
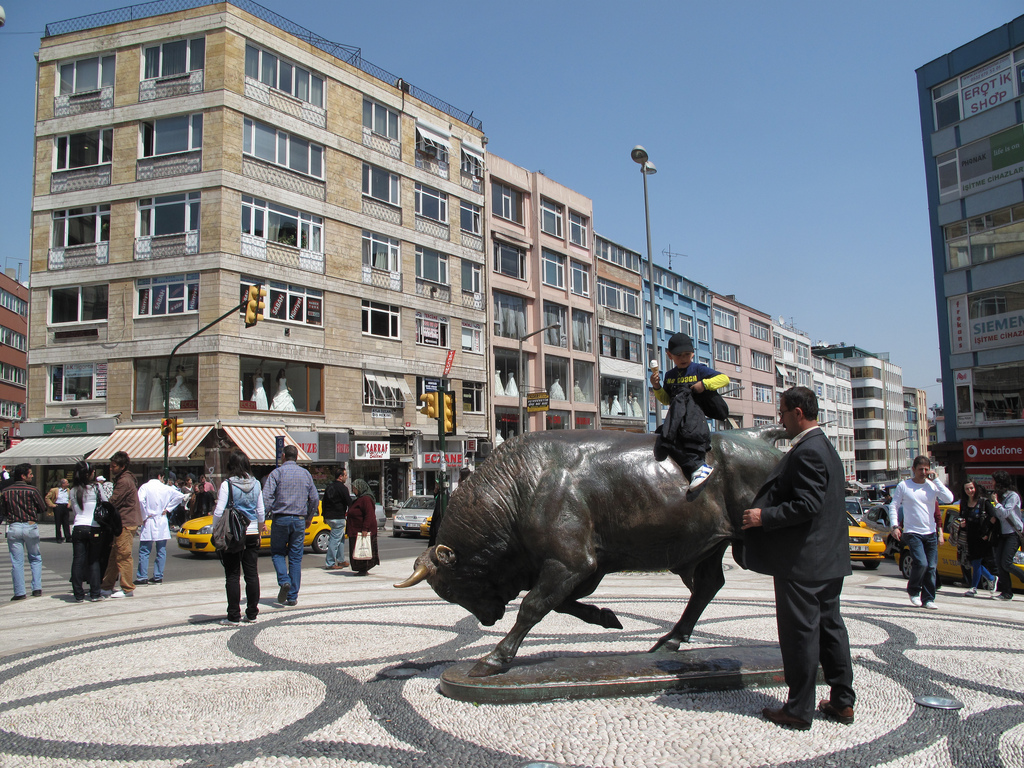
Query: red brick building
{"points": [[13, 356]]}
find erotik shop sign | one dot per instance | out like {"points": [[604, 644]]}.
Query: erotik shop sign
{"points": [[1006, 450]]}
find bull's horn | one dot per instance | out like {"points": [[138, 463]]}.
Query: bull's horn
{"points": [[418, 575]]}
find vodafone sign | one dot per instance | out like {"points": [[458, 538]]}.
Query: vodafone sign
{"points": [[1009, 450]]}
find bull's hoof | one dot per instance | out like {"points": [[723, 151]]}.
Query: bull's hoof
{"points": [[669, 643], [609, 620], [484, 669]]}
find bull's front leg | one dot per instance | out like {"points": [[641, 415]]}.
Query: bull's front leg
{"points": [[555, 583], [708, 578]]}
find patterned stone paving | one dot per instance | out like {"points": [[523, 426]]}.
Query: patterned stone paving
{"points": [[356, 685]]}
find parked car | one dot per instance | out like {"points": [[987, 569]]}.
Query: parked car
{"points": [[854, 506], [877, 519], [866, 545], [410, 517], [194, 536], [949, 569]]}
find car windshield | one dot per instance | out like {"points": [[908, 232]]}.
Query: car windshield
{"points": [[420, 502], [853, 507]]}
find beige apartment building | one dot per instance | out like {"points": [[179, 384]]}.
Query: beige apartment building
{"points": [[183, 157], [541, 285]]}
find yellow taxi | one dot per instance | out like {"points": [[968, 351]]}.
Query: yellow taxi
{"points": [[948, 568], [194, 536], [425, 527], [867, 546]]}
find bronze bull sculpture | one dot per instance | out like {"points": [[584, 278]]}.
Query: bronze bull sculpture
{"points": [[552, 512]]}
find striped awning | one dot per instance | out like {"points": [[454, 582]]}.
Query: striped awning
{"points": [[259, 443], [147, 444], [50, 451]]}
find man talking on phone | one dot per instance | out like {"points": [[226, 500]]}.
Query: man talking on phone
{"points": [[918, 496]]}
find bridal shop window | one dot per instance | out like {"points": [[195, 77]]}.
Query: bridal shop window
{"points": [[582, 381], [557, 420], [150, 385], [556, 374], [289, 303], [622, 397], [506, 372], [167, 295], [80, 381], [278, 385]]}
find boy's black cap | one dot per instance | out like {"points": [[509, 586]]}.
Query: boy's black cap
{"points": [[680, 344]]}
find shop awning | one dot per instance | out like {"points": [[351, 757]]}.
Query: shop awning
{"points": [[49, 451], [147, 444], [259, 443]]}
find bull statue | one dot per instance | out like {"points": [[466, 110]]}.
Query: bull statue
{"points": [[552, 512]]}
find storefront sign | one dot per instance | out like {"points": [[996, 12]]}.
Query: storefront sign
{"points": [[1006, 449], [987, 87], [989, 331], [379, 450], [66, 428], [453, 460], [991, 162], [381, 413], [537, 401]]}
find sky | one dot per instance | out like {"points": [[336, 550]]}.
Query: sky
{"points": [[786, 135]]}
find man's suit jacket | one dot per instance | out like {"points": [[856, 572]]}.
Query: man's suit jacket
{"points": [[804, 533]]}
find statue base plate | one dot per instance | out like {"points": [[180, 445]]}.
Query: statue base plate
{"points": [[625, 674]]}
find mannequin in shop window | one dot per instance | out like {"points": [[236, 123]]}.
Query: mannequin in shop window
{"points": [[556, 392], [180, 392], [156, 393], [283, 400], [511, 390], [259, 394]]}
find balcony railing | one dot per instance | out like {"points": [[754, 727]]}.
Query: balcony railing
{"points": [[382, 211], [282, 102], [474, 183], [473, 300], [172, 85], [291, 256], [166, 246], [432, 165], [68, 104], [472, 241], [433, 228], [283, 178], [389, 147], [80, 178], [382, 278], [166, 166], [76, 256], [433, 290]]}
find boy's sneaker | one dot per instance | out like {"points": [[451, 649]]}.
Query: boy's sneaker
{"points": [[249, 620], [228, 623], [931, 606], [915, 600], [156, 581], [971, 592], [702, 474], [141, 582]]}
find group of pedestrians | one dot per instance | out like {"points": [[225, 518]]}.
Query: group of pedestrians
{"points": [[991, 531]]}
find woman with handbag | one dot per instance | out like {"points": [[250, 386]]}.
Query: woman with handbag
{"points": [[976, 512], [243, 492], [362, 521], [86, 533]]}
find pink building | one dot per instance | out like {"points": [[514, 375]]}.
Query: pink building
{"points": [[743, 351]]}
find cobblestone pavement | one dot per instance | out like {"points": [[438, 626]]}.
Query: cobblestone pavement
{"points": [[349, 678]]}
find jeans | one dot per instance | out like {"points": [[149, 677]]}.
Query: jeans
{"points": [[924, 552], [977, 571], [86, 544], [22, 538], [246, 561], [335, 548], [145, 547], [286, 541], [1008, 545]]}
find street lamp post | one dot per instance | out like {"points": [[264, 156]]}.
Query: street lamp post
{"points": [[639, 155], [522, 384]]}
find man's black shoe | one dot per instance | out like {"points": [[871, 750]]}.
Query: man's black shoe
{"points": [[282, 593], [1005, 596], [37, 593], [18, 597], [781, 717], [842, 715]]}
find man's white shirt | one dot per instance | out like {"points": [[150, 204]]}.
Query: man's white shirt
{"points": [[918, 502]]}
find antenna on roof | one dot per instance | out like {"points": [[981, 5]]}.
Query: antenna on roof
{"points": [[669, 253]]}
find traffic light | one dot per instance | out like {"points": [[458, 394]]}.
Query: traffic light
{"points": [[254, 305], [179, 430], [430, 406], [449, 414], [167, 429]]}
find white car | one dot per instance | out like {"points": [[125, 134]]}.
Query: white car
{"points": [[411, 515]]}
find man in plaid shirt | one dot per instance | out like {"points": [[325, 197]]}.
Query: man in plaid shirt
{"points": [[22, 506]]}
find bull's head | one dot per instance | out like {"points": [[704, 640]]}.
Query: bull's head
{"points": [[437, 566]]}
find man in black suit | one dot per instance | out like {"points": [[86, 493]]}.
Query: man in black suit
{"points": [[798, 533]]}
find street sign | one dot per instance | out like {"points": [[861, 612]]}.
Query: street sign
{"points": [[448, 362], [536, 401]]}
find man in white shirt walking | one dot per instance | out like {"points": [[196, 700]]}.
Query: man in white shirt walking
{"points": [[157, 500], [918, 496]]}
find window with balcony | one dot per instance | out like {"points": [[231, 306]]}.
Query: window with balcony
{"points": [[553, 268], [578, 228], [509, 260], [380, 120], [83, 150], [431, 203], [77, 382], [472, 337], [506, 202], [472, 163], [380, 184], [81, 226], [470, 218], [580, 278], [170, 135], [381, 320], [551, 218], [280, 148], [381, 252], [169, 214], [78, 304], [288, 303], [282, 75], [176, 57], [86, 75], [283, 226], [472, 277], [167, 295], [431, 330], [431, 145], [431, 265]]}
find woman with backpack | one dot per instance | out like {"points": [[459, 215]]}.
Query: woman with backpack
{"points": [[86, 535], [243, 492]]}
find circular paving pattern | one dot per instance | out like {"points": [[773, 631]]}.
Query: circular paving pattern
{"points": [[357, 686]]}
